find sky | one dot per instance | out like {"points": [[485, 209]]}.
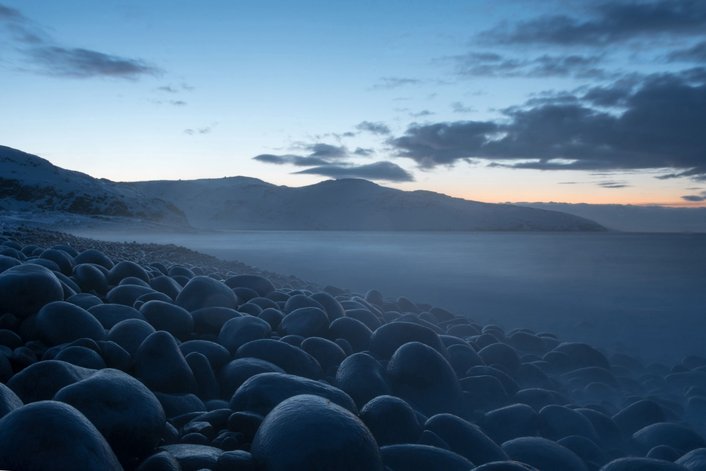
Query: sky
{"points": [[490, 100]]}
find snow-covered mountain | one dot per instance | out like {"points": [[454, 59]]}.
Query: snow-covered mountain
{"points": [[349, 204], [30, 184]]}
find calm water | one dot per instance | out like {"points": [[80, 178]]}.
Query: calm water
{"points": [[638, 293]]}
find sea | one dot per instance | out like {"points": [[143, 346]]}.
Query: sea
{"points": [[634, 293]]}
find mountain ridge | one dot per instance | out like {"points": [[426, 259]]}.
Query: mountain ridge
{"points": [[29, 184]]}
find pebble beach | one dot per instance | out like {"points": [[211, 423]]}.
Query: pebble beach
{"points": [[148, 357]]}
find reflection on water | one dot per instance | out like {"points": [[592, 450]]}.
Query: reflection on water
{"points": [[640, 293]]}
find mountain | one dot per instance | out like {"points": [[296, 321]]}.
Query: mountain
{"points": [[30, 184], [631, 218], [348, 204]]}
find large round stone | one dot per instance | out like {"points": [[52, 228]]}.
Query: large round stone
{"points": [[61, 322], [204, 291], [310, 432], [24, 289], [52, 435], [127, 413]]}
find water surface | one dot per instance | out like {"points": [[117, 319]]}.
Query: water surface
{"points": [[637, 293]]}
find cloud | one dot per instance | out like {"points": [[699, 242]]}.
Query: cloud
{"points": [[421, 114], [374, 128], [695, 53], [606, 22], [613, 184], [486, 64], [84, 63], [201, 131], [297, 160], [659, 127], [389, 83], [363, 152], [695, 198], [458, 107], [326, 151], [387, 171], [48, 57]]}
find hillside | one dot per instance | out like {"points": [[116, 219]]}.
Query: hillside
{"points": [[349, 204], [30, 184], [630, 218]]}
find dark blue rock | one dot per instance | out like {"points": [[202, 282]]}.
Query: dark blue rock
{"points": [[389, 337], [8, 262], [62, 322], [543, 454], [641, 464], [637, 415], [125, 269], [677, 436], [333, 308], [160, 365], [505, 466], [130, 334], [8, 401], [168, 317], [299, 301], [61, 258], [127, 294], [353, 331], [194, 457], [234, 374], [513, 421], [52, 435], [166, 285], [308, 432], [95, 257], [412, 457], [465, 438], [81, 356], [210, 320], [206, 385], [217, 355], [161, 461], [559, 421], [262, 286], [85, 300], [262, 392], [202, 291], [362, 377], [114, 355], [127, 413], [502, 355], [422, 376], [110, 314], [462, 358], [176, 405], [581, 355], [695, 460], [240, 330], [90, 278], [24, 289], [391, 420], [327, 353], [305, 321], [585, 449], [291, 359]]}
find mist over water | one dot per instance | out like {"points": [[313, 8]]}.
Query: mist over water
{"points": [[642, 294]]}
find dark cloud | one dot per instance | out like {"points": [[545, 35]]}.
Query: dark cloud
{"points": [[695, 53], [387, 171], [168, 89], [85, 63], [613, 184], [297, 160], [458, 107], [9, 13], [326, 151], [178, 103], [607, 22], [421, 114], [388, 83], [695, 198], [364, 152], [495, 65], [374, 128], [661, 126], [51, 58]]}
